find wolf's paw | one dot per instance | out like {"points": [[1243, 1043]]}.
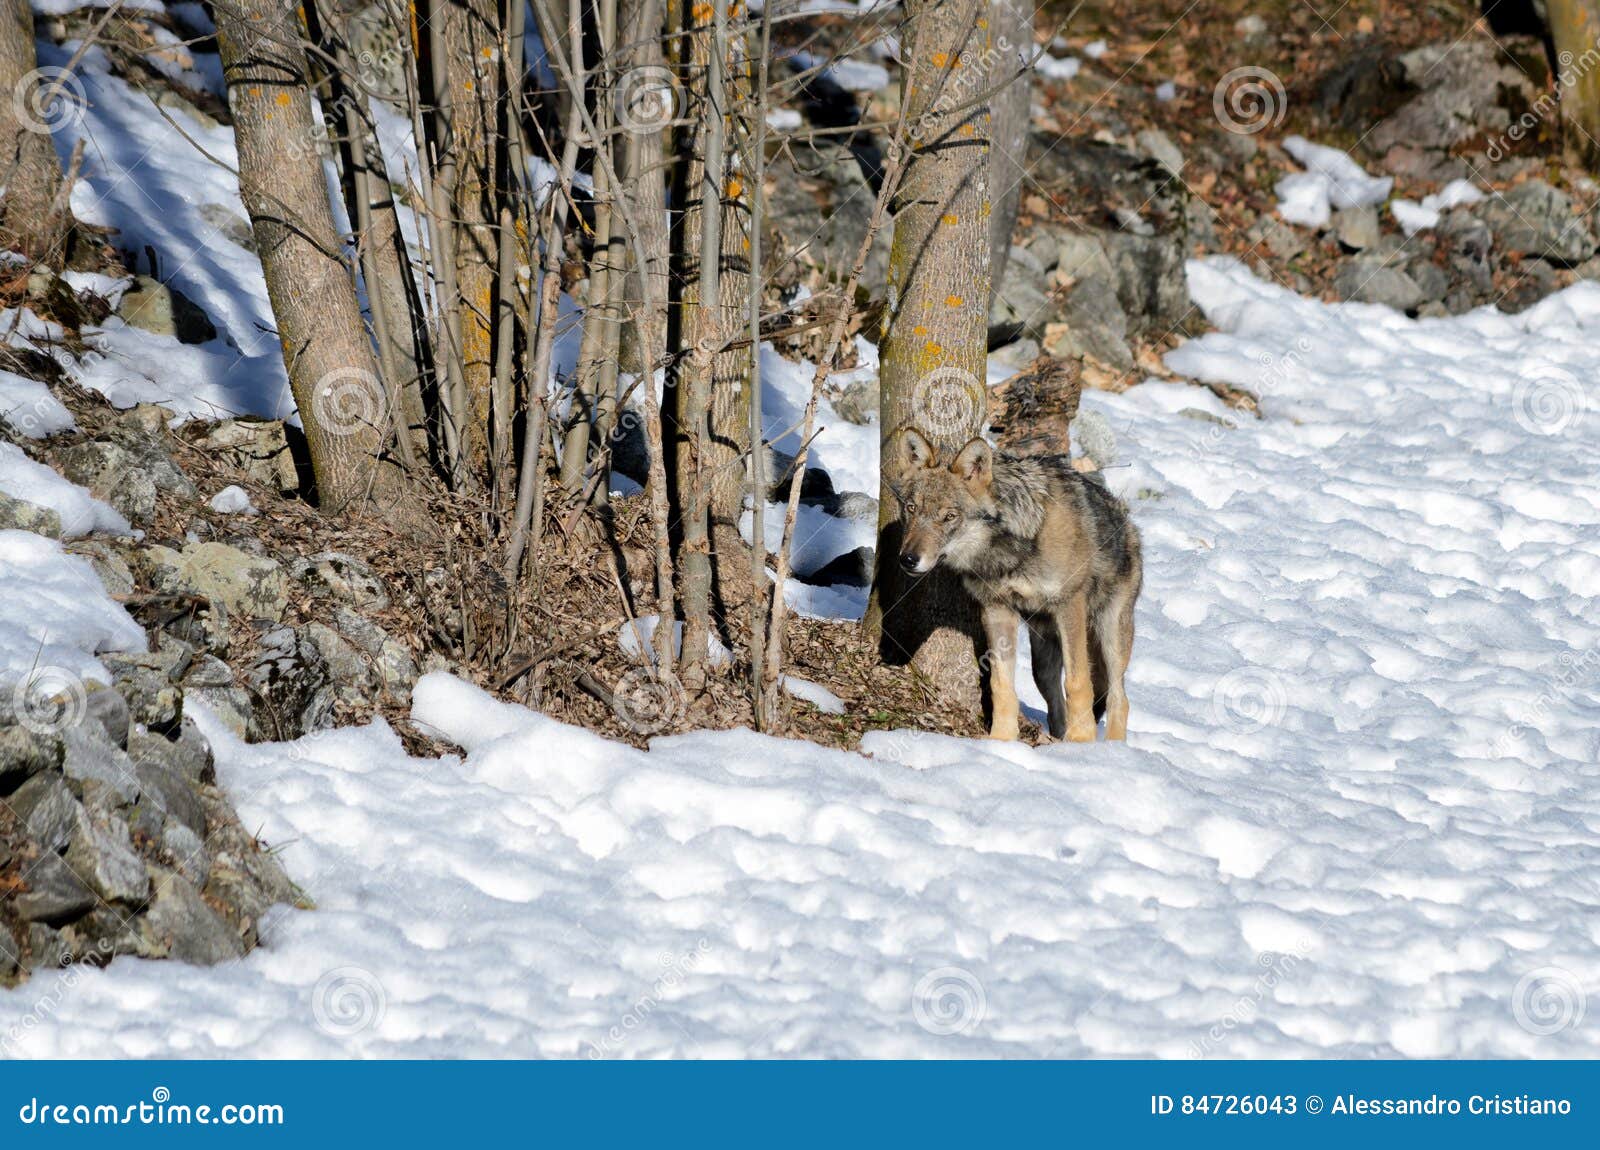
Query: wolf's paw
{"points": [[1078, 733], [1006, 734]]}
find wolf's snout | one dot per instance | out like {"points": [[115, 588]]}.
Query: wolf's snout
{"points": [[910, 562]]}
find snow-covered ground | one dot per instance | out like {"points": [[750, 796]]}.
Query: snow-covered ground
{"points": [[1356, 815]]}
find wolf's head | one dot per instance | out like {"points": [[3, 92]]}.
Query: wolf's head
{"points": [[946, 510]]}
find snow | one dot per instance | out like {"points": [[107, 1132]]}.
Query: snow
{"points": [[1355, 815], [28, 407], [1331, 180], [816, 694], [81, 513], [55, 616], [1166, 91], [233, 500], [850, 74], [1414, 217], [1056, 68], [1096, 49], [634, 638], [142, 177]]}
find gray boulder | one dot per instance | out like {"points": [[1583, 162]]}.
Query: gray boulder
{"points": [[342, 578], [253, 586], [52, 893], [1538, 220], [101, 853]]}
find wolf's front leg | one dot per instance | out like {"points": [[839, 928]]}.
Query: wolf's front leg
{"points": [[1080, 685], [1000, 628]]}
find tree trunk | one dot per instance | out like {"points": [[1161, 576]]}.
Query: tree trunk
{"points": [[332, 373], [30, 171], [934, 353], [646, 101], [472, 71], [1575, 31], [1011, 25]]}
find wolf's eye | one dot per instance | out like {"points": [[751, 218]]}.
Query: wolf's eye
{"points": [[911, 508], [950, 517]]}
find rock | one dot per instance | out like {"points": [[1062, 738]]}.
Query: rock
{"points": [[391, 659], [113, 570], [1470, 243], [1538, 220], [250, 585], [1374, 282], [109, 710], [1138, 211], [20, 515], [164, 310], [46, 948], [342, 578], [258, 447], [1280, 239], [212, 682], [171, 793], [180, 925], [47, 810], [350, 670], [857, 401], [291, 686], [112, 473], [146, 680], [186, 851], [1357, 229], [1432, 281], [53, 894], [855, 505], [187, 754], [101, 853], [1448, 93], [1156, 144], [821, 206], [25, 753], [853, 569], [98, 773], [1016, 355], [245, 880]]}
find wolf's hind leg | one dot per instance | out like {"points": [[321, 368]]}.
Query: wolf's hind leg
{"points": [[1049, 667], [1000, 628], [1114, 629], [1074, 621]]}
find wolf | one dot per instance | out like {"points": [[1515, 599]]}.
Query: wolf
{"points": [[1033, 540]]}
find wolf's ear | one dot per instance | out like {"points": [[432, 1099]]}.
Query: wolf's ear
{"points": [[912, 451], [974, 464]]}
